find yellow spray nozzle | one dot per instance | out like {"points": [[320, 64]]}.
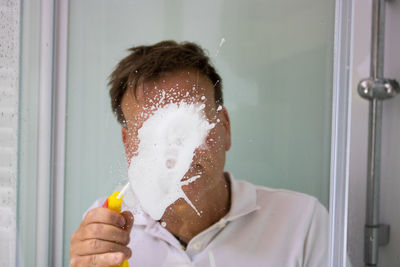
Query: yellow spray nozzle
{"points": [[114, 203]]}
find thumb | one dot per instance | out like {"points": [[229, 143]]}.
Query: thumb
{"points": [[129, 220]]}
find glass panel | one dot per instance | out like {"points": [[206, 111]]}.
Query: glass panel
{"points": [[275, 58]]}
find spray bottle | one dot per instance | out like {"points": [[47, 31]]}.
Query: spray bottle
{"points": [[114, 203]]}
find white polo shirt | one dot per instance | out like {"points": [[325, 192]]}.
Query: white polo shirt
{"points": [[264, 227]]}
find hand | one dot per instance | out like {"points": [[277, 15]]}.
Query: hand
{"points": [[101, 239]]}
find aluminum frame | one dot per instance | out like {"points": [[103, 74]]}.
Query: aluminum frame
{"points": [[59, 122], [44, 157], [340, 139], [51, 133]]}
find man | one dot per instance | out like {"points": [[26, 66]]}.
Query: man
{"points": [[240, 224]]}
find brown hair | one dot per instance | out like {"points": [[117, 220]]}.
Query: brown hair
{"points": [[146, 63]]}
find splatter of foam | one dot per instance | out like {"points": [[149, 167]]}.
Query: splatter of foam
{"points": [[168, 139], [220, 45]]}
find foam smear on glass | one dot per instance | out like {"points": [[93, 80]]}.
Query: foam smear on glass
{"points": [[220, 45], [168, 139]]}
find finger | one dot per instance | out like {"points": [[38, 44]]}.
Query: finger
{"points": [[129, 220], [104, 232], [104, 215], [97, 246], [98, 260]]}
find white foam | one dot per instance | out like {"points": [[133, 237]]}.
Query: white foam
{"points": [[220, 45], [168, 139]]}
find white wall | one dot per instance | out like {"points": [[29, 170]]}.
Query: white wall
{"points": [[390, 168], [9, 48]]}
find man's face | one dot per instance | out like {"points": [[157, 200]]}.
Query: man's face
{"points": [[191, 87]]}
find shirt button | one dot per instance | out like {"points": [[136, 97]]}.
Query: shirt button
{"points": [[196, 246]]}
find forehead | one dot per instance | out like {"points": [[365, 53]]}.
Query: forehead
{"points": [[185, 85]]}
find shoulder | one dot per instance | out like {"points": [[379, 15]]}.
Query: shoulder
{"points": [[290, 220], [304, 215], [286, 206], [282, 198]]}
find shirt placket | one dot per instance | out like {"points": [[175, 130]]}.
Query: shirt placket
{"points": [[202, 240], [159, 232]]}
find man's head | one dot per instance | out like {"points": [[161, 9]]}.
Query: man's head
{"points": [[167, 72], [149, 63]]}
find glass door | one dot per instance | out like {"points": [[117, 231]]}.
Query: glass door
{"points": [[276, 61], [284, 78]]}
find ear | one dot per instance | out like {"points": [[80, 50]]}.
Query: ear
{"points": [[128, 144], [227, 126]]}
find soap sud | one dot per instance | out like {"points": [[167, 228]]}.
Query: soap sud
{"points": [[222, 42], [163, 224], [220, 45], [168, 139]]}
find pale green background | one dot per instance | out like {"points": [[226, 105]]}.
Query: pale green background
{"points": [[277, 69]]}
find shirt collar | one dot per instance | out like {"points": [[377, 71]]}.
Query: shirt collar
{"points": [[243, 198], [243, 201]]}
